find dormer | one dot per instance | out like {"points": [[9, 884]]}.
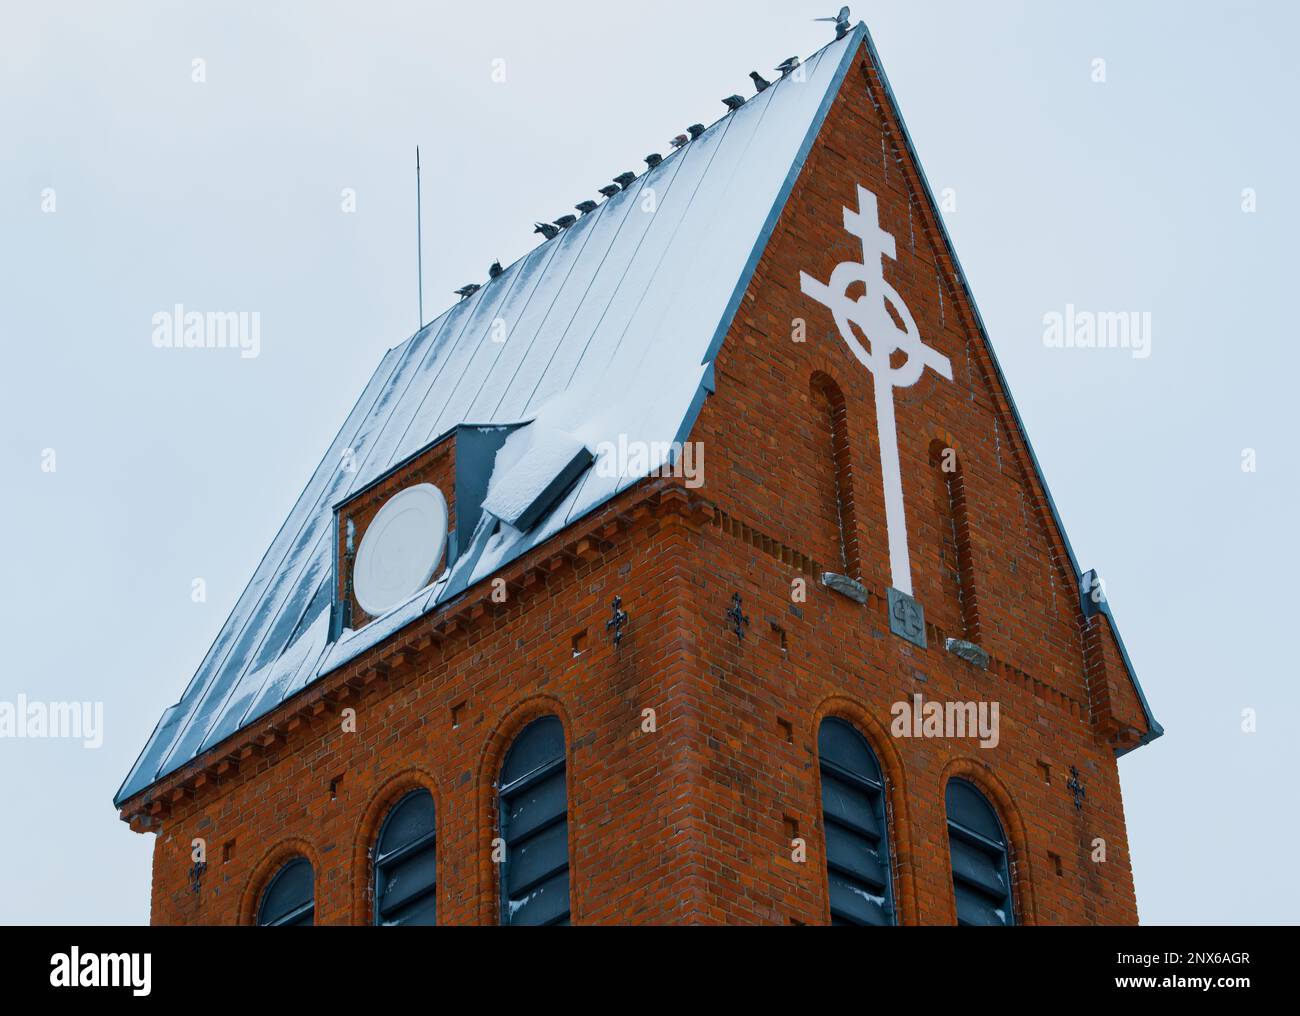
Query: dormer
{"points": [[403, 530]]}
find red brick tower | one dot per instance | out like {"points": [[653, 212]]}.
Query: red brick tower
{"points": [[695, 569]]}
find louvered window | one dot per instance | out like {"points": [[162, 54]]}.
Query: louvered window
{"points": [[535, 827], [289, 897], [406, 863], [981, 876], [853, 817]]}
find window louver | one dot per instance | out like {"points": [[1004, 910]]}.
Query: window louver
{"points": [[853, 817], [406, 863], [981, 875], [535, 827], [289, 897]]}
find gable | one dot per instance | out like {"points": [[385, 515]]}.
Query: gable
{"points": [[862, 189]]}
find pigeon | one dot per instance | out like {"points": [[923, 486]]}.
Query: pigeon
{"points": [[841, 22], [467, 291], [565, 221], [495, 270], [680, 141], [760, 82], [547, 230], [787, 65], [625, 180], [696, 129], [733, 102], [586, 207], [653, 159], [610, 189]]}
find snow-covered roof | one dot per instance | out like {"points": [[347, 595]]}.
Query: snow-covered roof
{"points": [[612, 328]]}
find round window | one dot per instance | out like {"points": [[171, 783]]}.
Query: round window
{"points": [[402, 548]]}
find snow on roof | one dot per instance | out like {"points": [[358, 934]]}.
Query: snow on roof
{"points": [[612, 330]]}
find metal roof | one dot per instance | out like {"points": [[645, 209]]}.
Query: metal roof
{"points": [[612, 327]]}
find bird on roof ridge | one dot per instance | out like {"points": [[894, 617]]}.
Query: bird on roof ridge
{"points": [[625, 180], [467, 291], [841, 22]]}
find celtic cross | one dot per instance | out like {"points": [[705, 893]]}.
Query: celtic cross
{"points": [[886, 334]]}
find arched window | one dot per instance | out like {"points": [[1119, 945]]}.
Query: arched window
{"points": [[956, 565], [981, 876], [289, 899], [832, 448], [405, 863], [535, 827], [853, 817]]}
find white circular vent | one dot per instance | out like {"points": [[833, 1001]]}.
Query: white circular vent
{"points": [[402, 548]]}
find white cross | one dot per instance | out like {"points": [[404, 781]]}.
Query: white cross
{"points": [[870, 312]]}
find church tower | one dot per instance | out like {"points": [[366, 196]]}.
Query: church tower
{"points": [[696, 568]]}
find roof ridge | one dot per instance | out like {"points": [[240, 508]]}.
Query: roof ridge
{"points": [[600, 205]]}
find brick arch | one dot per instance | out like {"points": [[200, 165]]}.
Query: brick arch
{"points": [[377, 807], [899, 826], [824, 382], [821, 365], [268, 864], [1013, 824], [516, 718]]}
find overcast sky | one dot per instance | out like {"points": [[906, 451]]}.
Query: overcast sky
{"points": [[127, 187]]}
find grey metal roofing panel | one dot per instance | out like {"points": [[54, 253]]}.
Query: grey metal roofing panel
{"points": [[611, 329], [150, 762]]}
